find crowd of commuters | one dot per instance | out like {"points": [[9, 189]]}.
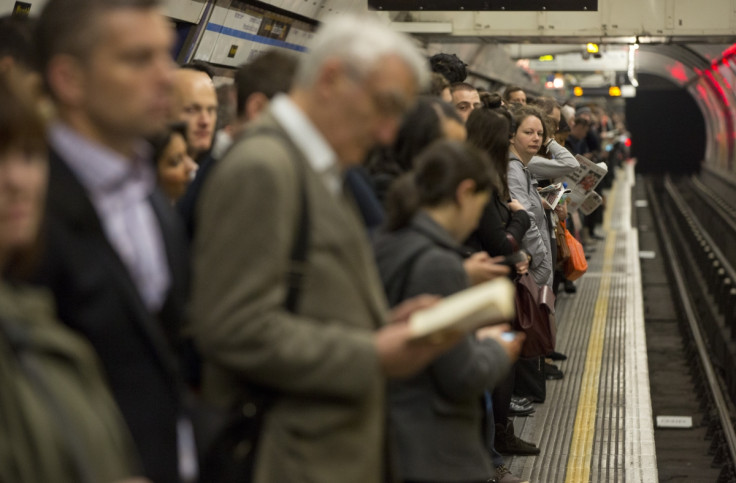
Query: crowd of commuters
{"points": [[157, 264]]}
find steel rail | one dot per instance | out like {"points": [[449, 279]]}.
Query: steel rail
{"points": [[692, 320]]}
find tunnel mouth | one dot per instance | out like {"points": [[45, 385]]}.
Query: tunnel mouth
{"points": [[667, 128]]}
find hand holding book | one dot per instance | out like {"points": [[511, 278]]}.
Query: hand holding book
{"points": [[485, 304]]}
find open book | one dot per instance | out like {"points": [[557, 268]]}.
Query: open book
{"points": [[485, 304]]}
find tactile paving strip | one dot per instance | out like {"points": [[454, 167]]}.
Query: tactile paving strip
{"points": [[622, 448]]}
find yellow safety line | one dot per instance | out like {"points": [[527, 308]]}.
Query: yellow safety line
{"points": [[581, 446]]}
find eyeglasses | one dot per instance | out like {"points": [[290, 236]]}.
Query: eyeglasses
{"points": [[388, 104]]}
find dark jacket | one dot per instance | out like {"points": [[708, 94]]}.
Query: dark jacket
{"points": [[97, 297], [436, 415], [187, 205], [500, 230]]}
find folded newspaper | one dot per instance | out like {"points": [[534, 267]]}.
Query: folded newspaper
{"points": [[485, 304], [553, 193], [591, 203], [582, 183]]}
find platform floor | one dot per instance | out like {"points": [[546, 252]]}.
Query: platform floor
{"points": [[596, 424]]}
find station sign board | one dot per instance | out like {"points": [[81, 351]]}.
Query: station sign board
{"points": [[478, 5]]}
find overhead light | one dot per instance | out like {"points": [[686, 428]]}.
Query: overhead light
{"points": [[558, 82], [577, 91], [592, 48], [631, 71], [614, 91], [546, 58]]}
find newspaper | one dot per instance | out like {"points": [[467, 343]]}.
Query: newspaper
{"points": [[591, 203], [582, 183], [553, 193]]}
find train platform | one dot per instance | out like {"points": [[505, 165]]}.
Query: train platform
{"points": [[596, 424]]}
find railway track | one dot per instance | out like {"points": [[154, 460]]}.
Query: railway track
{"points": [[697, 233]]}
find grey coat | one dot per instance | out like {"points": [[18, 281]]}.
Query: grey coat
{"points": [[436, 415], [536, 242], [562, 163]]}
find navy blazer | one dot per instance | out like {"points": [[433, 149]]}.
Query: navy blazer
{"points": [[97, 297]]}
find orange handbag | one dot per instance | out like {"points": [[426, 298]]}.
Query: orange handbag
{"points": [[577, 265]]}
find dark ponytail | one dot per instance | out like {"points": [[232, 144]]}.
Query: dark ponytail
{"points": [[438, 172], [489, 130], [402, 202]]}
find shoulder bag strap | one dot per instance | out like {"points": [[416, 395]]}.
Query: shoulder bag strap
{"points": [[300, 246]]}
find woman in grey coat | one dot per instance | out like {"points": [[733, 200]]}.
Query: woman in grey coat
{"points": [[527, 134], [557, 161], [436, 415]]}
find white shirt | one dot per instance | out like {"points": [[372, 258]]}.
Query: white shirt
{"points": [[320, 155]]}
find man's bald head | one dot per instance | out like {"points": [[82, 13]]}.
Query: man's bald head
{"points": [[195, 102]]}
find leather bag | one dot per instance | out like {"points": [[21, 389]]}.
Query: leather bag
{"points": [[535, 316], [563, 250]]}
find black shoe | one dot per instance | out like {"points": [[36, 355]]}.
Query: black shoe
{"points": [[570, 287], [520, 410], [503, 475], [521, 400], [551, 371], [557, 356], [507, 443]]}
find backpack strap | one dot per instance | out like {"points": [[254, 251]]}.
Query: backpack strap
{"points": [[401, 277]]}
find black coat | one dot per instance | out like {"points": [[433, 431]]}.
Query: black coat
{"points": [[500, 230], [97, 297]]}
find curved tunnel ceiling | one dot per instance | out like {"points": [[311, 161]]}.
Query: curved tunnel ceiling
{"points": [[705, 67]]}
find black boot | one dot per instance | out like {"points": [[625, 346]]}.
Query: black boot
{"points": [[507, 443]]}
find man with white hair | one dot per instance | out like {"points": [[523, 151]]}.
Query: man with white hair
{"points": [[323, 344]]}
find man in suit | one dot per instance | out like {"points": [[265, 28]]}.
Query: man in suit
{"points": [[114, 256], [327, 360]]}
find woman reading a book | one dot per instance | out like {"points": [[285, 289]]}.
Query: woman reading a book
{"points": [[436, 415]]}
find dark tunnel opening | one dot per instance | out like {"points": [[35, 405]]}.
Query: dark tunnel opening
{"points": [[667, 128]]}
